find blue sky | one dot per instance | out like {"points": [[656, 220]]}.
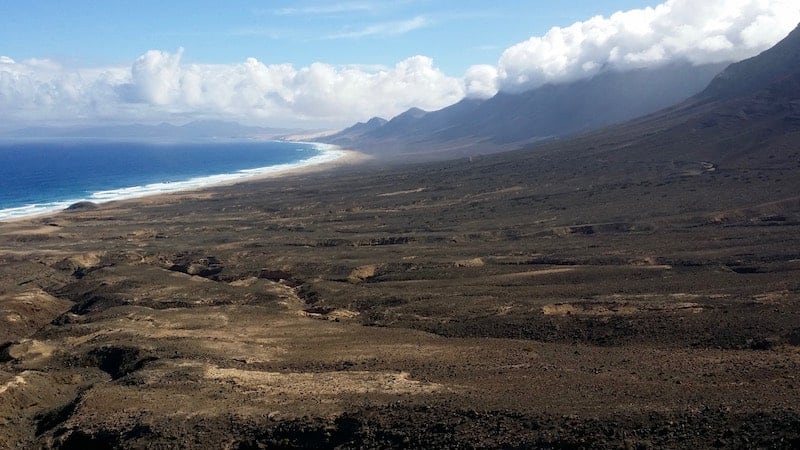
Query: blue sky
{"points": [[456, 34], [329, 63]]}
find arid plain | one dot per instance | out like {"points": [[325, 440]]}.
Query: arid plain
{"points": [[609, 293]]}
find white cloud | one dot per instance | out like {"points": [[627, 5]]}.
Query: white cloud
{"points": [[698, 31], [39, 89], [384, 29], [156, 77], [480, 81], [160, 86]]}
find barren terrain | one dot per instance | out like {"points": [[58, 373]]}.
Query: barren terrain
{"points": [[523, 300], [635, 287]]}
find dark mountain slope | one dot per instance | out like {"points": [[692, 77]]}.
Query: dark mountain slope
{"points": [[588, 104], [356, 131], [508, 120], [748, 118], [753, 74]]}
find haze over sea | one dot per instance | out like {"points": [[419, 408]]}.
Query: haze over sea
{"points": [[40, 177]]}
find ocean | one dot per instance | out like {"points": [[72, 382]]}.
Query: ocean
{"points": [[41, 177]]}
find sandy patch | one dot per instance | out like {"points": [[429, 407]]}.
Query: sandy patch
{"points": [[37, 231], [676, 296], [323, 384], [87, 259], [559, 309], [410, 191], [505, 310], [335, 315], [362, 273], [773, 297], [30, 349], [287, 296], [533, 273], [37, 299], [508, 190], [474, 262], [246, 282], [569, 309], [611, 309], [343, 314], [246, 352], [17, 381]]}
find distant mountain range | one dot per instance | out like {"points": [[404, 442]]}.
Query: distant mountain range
{"points": [[747, 118], [775, 65], [509, 120], [655, 97], [197, 130], [678, 108]]}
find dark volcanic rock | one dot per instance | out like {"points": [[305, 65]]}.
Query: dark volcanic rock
{"points": [[81, 206], [117, 361]]}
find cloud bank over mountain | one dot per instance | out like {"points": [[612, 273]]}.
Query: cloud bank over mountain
{"points": [[160, 86], [707, 31]]}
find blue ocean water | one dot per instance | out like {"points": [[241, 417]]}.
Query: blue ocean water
{"points": [[37, 177]]}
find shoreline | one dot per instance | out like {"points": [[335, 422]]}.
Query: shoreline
{"points": [[330, 157]]}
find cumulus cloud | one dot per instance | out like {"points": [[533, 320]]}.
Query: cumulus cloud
{"points": [[480, 81], [160, 86], [697, 31], [156, 77], [39, 89]]}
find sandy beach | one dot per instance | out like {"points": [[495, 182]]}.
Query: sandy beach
{"points": [[331, 157]]}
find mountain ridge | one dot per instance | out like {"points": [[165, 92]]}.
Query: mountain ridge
{"points": [[753, 123], [506, 120], [752, 74]]}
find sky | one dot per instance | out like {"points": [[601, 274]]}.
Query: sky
{"points": [[329, 63]]}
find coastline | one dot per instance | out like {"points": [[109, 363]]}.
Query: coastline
{"points": [[330, 157]]}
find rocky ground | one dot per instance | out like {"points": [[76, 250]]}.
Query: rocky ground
{"points": [[519, 300]]}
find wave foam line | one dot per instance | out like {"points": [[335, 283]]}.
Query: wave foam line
{"points": [[328, 153]]}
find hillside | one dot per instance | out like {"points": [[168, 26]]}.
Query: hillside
{"points": [[754, 74], [509, 120]]}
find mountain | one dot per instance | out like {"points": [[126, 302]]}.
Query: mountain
{"points": [[508, 120], [752, 74], [200, 129], [362, 128], [747, 119]]}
